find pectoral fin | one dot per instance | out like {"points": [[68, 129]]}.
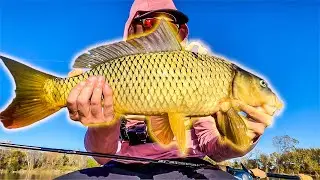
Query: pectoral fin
{"points": [[178, 128], [159, 129], [233, 130]]}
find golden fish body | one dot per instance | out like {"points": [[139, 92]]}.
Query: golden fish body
{"points": [[157, 83]]}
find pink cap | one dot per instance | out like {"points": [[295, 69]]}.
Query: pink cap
{"points": [[147, 5]]}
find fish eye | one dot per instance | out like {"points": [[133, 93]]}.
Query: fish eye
{"points": [[263, 83]]}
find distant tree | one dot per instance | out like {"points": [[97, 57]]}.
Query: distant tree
{"points": [[264, 162], [252, 163], [30, 158], [16, 161], [39, 160], [77, 161], [256, 155], [284, 143], [3, 159], [52, 159], [273, 162], [64, 160], [289, 163]]}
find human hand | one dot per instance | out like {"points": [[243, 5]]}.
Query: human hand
{"points": [[196, 47], [85, 101], [258, 119], [135, 30], [75, 72]]}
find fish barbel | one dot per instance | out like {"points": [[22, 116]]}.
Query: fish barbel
{"points": [[151, 75]]}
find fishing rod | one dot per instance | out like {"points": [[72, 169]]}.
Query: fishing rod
{"points": [[101, 155], [282, 176], [112, 156]]}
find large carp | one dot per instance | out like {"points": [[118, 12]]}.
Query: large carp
{"points": [[151, 75]]}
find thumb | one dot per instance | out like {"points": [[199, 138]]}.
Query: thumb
{"points": [[75, 72], [196, 47]]}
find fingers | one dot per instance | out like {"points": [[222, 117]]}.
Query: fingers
{"points": [[130, 31], [75, 72], [135, 30], [107, 103], [269, 109], [256, 114], [196, 47], [96, 108], [72, 101], [183, 32], [193, 46], [83, 100], [257, 128], [251, 134], [202, 50], [138, 29], [188, 47]]}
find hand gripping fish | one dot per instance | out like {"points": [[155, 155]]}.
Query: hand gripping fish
{"points": [[151, 75]]}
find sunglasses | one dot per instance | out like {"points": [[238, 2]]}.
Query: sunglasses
{"points": [[149, 22]]}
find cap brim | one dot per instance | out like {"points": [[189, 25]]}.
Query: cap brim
{"points": [[181, 18]]}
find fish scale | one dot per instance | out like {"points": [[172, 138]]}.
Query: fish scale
{"points": [[160, 82]]}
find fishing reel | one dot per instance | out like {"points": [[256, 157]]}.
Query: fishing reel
{"points": [[136, 134]]}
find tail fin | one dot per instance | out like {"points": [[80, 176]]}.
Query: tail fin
{"points": [[30, 104]]}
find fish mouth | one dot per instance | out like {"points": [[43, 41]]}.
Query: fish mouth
{"points": [[272, 110], [268, 109], [274, 107]]}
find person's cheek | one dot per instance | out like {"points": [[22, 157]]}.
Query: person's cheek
{"points": [[183, 32]]}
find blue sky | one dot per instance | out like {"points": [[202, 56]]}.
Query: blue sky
{"points": [[278, 39]]}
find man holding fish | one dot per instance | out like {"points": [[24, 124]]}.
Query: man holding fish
{"points": [[203, 138], [194, 104]]}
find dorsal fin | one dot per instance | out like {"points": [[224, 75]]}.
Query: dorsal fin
{"points": [[161, 39]]}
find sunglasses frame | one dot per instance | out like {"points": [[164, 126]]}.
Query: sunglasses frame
{"points": [[138, 20], [173, 20]]}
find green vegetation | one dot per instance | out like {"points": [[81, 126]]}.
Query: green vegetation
{"points": [[288, 159], [16, 160], [305, 161]]}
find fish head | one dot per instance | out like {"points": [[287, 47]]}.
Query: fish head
{"points": [[255, 92]]}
